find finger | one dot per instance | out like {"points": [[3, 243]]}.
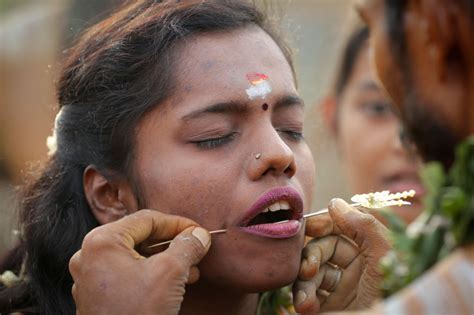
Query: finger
{"points": [[315, 253], [317, 282], [319, 226], [363, 228], [344, 291], [193, 275], [190, 246], [310, 260], [304, 291], [322, 296], [325, 282], [345, 252], [143, 225], [331, 278], [304, 297]]}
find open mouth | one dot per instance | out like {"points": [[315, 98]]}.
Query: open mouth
{"points": [[276, 212]]}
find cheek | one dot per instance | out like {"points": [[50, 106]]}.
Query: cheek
{"points": [[193, 192], [363, 145], [352, 132]]}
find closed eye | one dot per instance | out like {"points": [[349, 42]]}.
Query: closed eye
{"points": [[291, 134], [211, 143]]}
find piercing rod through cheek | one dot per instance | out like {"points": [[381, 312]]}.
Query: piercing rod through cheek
{"points": [[374, 200], [168, 242]]}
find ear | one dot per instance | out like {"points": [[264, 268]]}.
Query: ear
{"points": [[328, 110], [108, 199], [438, 22]]}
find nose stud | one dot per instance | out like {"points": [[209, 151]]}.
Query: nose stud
{"points": [[258, 156]]}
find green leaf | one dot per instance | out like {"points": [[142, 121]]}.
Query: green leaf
{"points": [[453, 201]]}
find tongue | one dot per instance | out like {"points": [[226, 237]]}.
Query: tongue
{"points": [[270, 217]]}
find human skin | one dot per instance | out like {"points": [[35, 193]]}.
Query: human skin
{"points": [[437, 87], [203, 167], [442, 86], [368, 136], [109, 258], [354, 242]]}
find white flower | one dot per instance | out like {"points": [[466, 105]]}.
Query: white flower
{"points": [[52, 141], [382, 199]]}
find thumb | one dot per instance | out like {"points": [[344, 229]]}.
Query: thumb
{"points": [[189, 247], [364, 229]]}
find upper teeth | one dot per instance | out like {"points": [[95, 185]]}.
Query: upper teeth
{"points": [[277, 206]]}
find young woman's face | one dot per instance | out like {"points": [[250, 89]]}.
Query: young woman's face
{"points": [[226, 147], [368, 135]]}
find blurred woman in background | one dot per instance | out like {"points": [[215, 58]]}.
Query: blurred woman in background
{"points": [[367, 131]]}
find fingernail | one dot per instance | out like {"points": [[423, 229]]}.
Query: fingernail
{"points": [[312, 259], [300, 297], [340, 204], [202, 235], [304, 264]]}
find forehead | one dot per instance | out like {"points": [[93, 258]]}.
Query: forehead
{"points": [[224, 60], [361, 69]]}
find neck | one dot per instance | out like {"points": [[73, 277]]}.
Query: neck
{"points": [[205, 298]]}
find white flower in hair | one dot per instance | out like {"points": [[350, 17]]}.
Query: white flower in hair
{"points": [[51, 141], [52, 144]]}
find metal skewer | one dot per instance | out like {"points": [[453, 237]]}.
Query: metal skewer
{"points": [[223, 231], [167, 242], [387, 200]]}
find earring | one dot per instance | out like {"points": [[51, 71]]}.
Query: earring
{"points": [[258, 156]]}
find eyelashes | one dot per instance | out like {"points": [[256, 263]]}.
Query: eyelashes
{"points": [[216, 142], [208, 144], [292, 135]]}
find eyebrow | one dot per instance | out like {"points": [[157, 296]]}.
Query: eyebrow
{"points": [[234, 107], [231, 107]]}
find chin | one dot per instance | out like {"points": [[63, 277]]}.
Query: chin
{"points": [[254, 268], [272, 277]]}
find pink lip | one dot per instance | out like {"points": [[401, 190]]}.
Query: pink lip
{"points": [[275, 230]]}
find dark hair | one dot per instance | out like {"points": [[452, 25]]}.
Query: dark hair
{"points": [[356, 41], [117, 72], [394, 24], [350, 54]]}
